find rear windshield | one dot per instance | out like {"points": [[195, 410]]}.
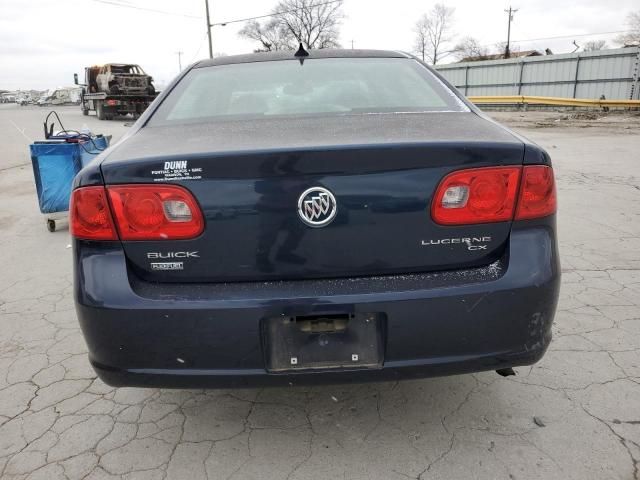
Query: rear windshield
{"points": [[324, 86]]}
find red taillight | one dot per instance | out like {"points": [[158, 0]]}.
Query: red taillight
{"points": [[155, 212], [89, 215], [477, 195], [484, 195], [537, 193]]}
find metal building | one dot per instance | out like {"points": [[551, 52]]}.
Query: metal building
{"points": [[612, 73]]}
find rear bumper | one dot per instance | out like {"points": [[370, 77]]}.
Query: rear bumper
{"points": [[443, 323]]}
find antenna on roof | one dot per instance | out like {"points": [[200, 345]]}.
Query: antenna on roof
{"points": [[301, 54]]}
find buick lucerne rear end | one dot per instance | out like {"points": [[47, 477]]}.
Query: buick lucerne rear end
{"points": [[346, 216]]}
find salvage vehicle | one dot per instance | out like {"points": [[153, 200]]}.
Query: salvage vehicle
{"points": [[8, 97], [44, 100], [116, 89], [60, 96], [328, 216], [53, 96]]}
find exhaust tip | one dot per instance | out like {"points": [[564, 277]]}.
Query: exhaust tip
{"points": [[505, 372]]}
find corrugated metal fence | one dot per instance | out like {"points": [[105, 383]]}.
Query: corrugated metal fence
{"points": [[612, 73]]}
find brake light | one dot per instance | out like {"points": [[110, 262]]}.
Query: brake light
{"points": [[537, 193], [155, 212], [484, 195], [477, 195], [89, 215]]}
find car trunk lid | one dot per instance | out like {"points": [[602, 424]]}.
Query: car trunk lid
{"points": [[250, 178]]}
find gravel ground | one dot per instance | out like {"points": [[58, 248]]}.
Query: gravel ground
{"points": [[574, 415]]}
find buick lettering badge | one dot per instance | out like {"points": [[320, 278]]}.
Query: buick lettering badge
{"points": [[317, 207]]}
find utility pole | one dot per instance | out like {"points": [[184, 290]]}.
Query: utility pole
{"points": [[510, 12], [179, 53], [206, 3]]}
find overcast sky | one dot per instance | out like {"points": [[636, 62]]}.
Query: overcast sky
{"points": [[43, 42]]}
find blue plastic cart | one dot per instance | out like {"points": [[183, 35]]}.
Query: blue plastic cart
{"points": [[56, 161]]}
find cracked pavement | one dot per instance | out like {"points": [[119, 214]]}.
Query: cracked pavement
{"points": [[574, 415]]}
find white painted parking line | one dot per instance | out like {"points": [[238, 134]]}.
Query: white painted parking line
{"points": [[21, 131]]}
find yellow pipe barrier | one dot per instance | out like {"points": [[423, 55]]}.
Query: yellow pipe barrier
{"points": [[564, 102]]}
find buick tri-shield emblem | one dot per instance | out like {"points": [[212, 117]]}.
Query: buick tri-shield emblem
{"points": [[317, 207]]}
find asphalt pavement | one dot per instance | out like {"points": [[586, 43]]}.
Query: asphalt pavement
{"points": [[574, 415]]}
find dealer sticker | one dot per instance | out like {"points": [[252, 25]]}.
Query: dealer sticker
{"points": [[175, 171], [167, 266]]}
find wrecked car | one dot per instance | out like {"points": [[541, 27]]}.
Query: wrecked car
{"points": [[115, 89], [122, 79]]}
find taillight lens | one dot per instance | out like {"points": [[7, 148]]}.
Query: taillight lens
{"points": [[484, 195], [155, 212], [140, 212], [477, 195], [537, 193], [89, 215]]}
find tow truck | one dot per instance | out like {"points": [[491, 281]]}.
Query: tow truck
{"points": [[115, 89]]}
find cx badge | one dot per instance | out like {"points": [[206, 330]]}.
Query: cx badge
{"points": [[317, 207]]}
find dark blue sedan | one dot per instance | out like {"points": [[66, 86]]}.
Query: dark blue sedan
{"points": [[341, 216]]}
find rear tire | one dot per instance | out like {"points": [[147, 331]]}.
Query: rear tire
{"points": [[51, 225], [100, 110]]}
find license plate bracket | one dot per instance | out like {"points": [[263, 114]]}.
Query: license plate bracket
{"points": [[317, 342]]}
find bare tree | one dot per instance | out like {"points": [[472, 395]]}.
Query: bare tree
{"points": [[433, 33], [594, 45], [272, 35], [312, 22], [470, 48], [502, 46], [632, 37], [422, 38]]}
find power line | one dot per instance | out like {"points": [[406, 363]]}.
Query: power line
{"points": [[284, 12], [204, 38], [145, 9], [593, 34], [570, 36], [239, 20]]}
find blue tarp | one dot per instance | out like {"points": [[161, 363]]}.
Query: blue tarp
{"points": [[54, 167]]}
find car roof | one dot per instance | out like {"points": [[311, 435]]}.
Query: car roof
{"points": [[289, 55]]}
